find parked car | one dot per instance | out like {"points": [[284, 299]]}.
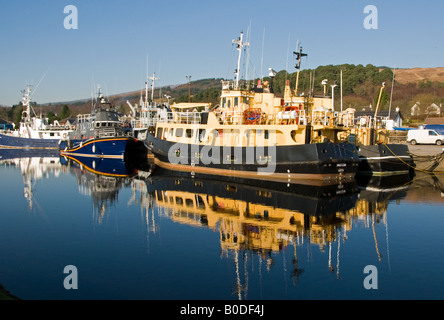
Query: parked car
{"points": [[424, 136]]}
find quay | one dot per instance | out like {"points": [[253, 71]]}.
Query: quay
{"points": [[426, 156]]}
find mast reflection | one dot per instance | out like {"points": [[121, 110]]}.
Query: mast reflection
{"points": [[34, 165], [102, 179]]}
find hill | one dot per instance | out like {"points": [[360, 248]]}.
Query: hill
{"points": [[416, 75]]}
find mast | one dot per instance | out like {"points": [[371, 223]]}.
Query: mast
{"points": [[239, 45], [391, 94], [153, 78], [379, 100], [26, 101], [299, 56], [341, 91]]}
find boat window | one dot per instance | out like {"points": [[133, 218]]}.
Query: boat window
{"points": [[200, 202], [229, 103], [236, 101], [266, 134], [189, 133], [224, 102], [189, 203], [231, 188], [179, 201], [201, 134], [179, 132], [293, 135], [159, 133], [171, 132]]}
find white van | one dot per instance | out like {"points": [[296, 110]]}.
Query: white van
{"points": [[424, 136]]}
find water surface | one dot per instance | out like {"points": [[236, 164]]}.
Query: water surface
{"points": [[136, 234]]}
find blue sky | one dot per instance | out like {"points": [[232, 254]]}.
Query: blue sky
{"points": [[181, 38]]}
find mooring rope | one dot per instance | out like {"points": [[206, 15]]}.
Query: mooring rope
{"points": [[438, 158]]}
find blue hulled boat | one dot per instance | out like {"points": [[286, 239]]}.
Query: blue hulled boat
{"points": [[101, 134]]}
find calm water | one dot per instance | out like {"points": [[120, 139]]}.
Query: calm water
{"points": [[162, 237]]}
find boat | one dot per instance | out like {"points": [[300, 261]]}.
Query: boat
{"points": [[101, 134], [34, 132], [379, 156], [147, 113], [252, 134]]}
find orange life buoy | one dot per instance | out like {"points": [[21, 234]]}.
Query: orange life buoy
{"points": [[24, 131]]}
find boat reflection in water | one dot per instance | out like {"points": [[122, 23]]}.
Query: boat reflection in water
{"points": [[258, 218], [102, 179], [263, 218], [34, 164], [263, 229]]}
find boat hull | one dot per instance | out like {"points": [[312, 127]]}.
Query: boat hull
{"points": [[385, 159], [8, 141], [319, 162], [112, 148]]}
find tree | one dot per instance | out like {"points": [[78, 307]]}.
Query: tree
{"points": [[65, 113], [51, 117]]}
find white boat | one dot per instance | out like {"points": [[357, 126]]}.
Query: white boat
{"points": [[34, 132]]}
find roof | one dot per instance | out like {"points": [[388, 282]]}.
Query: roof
{"points": [[384, 114], [434, 121]]}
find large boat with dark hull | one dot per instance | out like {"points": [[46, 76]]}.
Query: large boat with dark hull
{"points": [[251, 134]]}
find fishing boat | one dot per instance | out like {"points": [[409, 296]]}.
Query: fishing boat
{"points": [[34, 132], [101, 134], [379, 156], [252, 134], [147, 113]]}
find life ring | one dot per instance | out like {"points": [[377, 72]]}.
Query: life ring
{"points": [[65, 135], [24, 131]]}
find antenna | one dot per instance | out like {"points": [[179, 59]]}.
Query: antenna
{"points": [[248, 52], [189, 88], [39, 82], [146, 82], [262, 57]]}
